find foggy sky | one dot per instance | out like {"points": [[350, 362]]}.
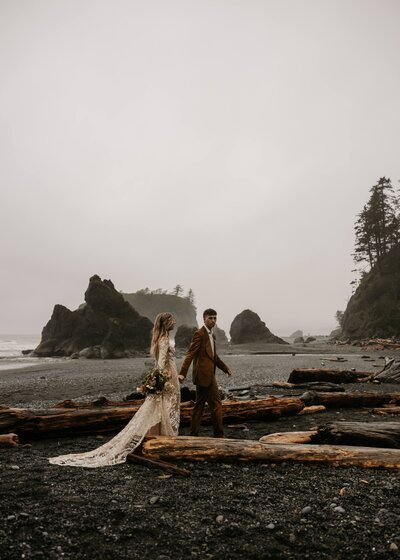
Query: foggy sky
{"points": [[223, 145]]}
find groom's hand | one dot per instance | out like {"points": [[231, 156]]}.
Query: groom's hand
{"points": [[181, 378], [229, 372]]}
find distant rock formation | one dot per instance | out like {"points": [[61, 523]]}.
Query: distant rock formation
{"points": [[373, 310], [298, 340], [150, 304], [220, 336], [184, 336], [106, 326], [310, 339], [248, 327], [297, 334], [336, 333]]}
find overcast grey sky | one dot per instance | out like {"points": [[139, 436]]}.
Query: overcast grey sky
{"points": [[223, 145]]}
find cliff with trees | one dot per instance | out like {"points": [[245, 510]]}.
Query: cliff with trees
{"points": [[151, 302], [373, 310]]}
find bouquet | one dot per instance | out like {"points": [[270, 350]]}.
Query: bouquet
{"points": [[154, 381]]}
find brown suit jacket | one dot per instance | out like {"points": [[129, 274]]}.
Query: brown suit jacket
{"points": [[204, 363]]}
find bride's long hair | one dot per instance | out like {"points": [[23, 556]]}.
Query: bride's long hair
{"points": [[163, 323]]}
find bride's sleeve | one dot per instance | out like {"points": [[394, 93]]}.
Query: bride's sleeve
{"points": [[163, 346]]}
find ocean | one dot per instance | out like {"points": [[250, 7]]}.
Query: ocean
{"points": [[11, 346]]}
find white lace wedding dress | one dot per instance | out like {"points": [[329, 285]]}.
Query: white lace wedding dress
{"points": [[159, 414]]}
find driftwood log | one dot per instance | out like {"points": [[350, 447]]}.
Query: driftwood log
{"points": [[350, 400], [386, 411], [314, 385], [307, 375], [56, 421], [371, 434], [215, 449], [390, 373], [365, 434], [9, 440]]}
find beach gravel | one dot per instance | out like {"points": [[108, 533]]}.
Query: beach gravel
{"points": [[233, 511]]}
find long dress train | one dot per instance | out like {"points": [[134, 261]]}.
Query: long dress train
{"points": [[158, 414]]}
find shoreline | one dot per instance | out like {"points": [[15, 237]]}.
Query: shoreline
{"points": [[48, 382]]}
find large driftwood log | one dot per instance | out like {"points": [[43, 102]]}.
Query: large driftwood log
{"points": [[54, 421], [371, 434], [349, 400], [365, 434], [307, 375], [8, 440], [215, 449]]}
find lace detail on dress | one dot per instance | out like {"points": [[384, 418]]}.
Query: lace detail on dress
{"points": [[162, 410]]}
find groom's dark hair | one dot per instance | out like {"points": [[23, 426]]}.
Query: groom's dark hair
{"points": [[209, 311]]}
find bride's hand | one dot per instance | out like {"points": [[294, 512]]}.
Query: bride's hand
{"points": [[181, 378]]}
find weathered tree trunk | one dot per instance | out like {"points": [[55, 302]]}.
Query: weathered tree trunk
{"points": [[349, 400], [8, 440], [237, 411], [215, 449], [371, 434], [29, 422], [307, 375]]}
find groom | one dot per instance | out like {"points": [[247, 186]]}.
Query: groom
{"points": [[202, 352]]}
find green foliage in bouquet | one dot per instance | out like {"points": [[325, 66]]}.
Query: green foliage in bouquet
{"points": [[154, 381]]}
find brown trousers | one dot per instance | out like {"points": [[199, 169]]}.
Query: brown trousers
{"points": [[210, 395]]}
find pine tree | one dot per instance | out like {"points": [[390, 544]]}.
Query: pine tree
{"points": [[377, 228], [190, 296], [178, 290]]}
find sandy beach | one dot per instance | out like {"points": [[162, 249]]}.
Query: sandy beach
{"points": [[221, 511]]}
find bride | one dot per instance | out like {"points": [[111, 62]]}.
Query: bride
{"points": [[158, 415]]}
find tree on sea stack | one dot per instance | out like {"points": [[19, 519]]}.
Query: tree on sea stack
{"points": [[373, 310], [248, 327], [377, 228]]}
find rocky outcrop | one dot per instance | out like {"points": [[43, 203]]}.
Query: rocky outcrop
{"points": [[184, 336], [106, 326], [374, 309], [220, 336], [151, 304], [310, 339], [248, 327], [298, 340], [297, 334]]}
